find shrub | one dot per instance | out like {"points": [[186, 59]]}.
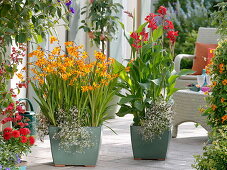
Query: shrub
{"points": [[214, 156]]}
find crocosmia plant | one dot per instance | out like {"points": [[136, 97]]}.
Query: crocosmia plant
{"points": [[71, 92], [149, 78]]}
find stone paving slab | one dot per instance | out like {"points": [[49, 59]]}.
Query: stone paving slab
{"points": [[116, 151]]}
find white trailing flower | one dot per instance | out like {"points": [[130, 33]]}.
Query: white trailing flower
{"points": [[71, 132], [158, 119]]}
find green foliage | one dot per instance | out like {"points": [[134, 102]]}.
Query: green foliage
{"points": [[149, 75], [220, 18], [188, 22], [11, 151], [101, 21], [217, 112], [214, 156], [68, 81], [208, 3], [30, 19]]}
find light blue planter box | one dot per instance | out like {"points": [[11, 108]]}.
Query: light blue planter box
{"points": [[22, 168]]}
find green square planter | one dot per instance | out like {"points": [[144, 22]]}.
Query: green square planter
{"points": [[88, 157], [155, 149]]}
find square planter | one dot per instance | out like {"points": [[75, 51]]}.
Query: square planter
{"points": [[155, 149], [88, 157]]}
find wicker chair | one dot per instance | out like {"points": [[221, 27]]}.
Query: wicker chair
{"points": [[206, 36]]}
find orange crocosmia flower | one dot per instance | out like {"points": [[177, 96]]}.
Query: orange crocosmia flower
{"points": [[86, 88], [69, 43], [100, 56], [224, 118], [56, 51], [52, 39], [127, 69], [224, 82], [214, 107], [20, 76], [222, 100], [201, 109]]}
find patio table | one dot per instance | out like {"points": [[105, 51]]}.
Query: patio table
{"points": [[186, 107]]}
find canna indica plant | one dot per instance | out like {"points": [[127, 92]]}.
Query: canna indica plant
{"points": [[148, 79]]}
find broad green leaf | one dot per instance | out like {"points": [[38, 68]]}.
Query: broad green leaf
{"points": [[124, 110], [185, 72], [157, 33], [126, 99], [156, 81], [141, 27], [138, 105]]}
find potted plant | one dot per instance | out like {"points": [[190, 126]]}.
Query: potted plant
{"points": [[16, 141], [149, 82], [101, 29], [102, 26], [73, 97]]}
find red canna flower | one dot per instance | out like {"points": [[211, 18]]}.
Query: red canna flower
{"points": [[168, 25], [151, 20], [144, 35], [172, 35], [162, 10]]}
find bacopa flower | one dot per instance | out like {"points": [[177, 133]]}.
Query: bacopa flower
{"points": [[16, 134], [172, 35], [162, 10], [24, 131], [31, 140], [23, 139]]}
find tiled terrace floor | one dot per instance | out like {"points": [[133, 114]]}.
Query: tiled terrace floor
{"points": [[116, 152]]}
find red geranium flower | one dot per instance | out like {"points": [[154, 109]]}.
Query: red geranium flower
{"points": [[7, 129], [162, 10], [16, 134], [7, 135], [23, 139], [24, 131], [20, 109], [21, 124], [31, 140]]}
